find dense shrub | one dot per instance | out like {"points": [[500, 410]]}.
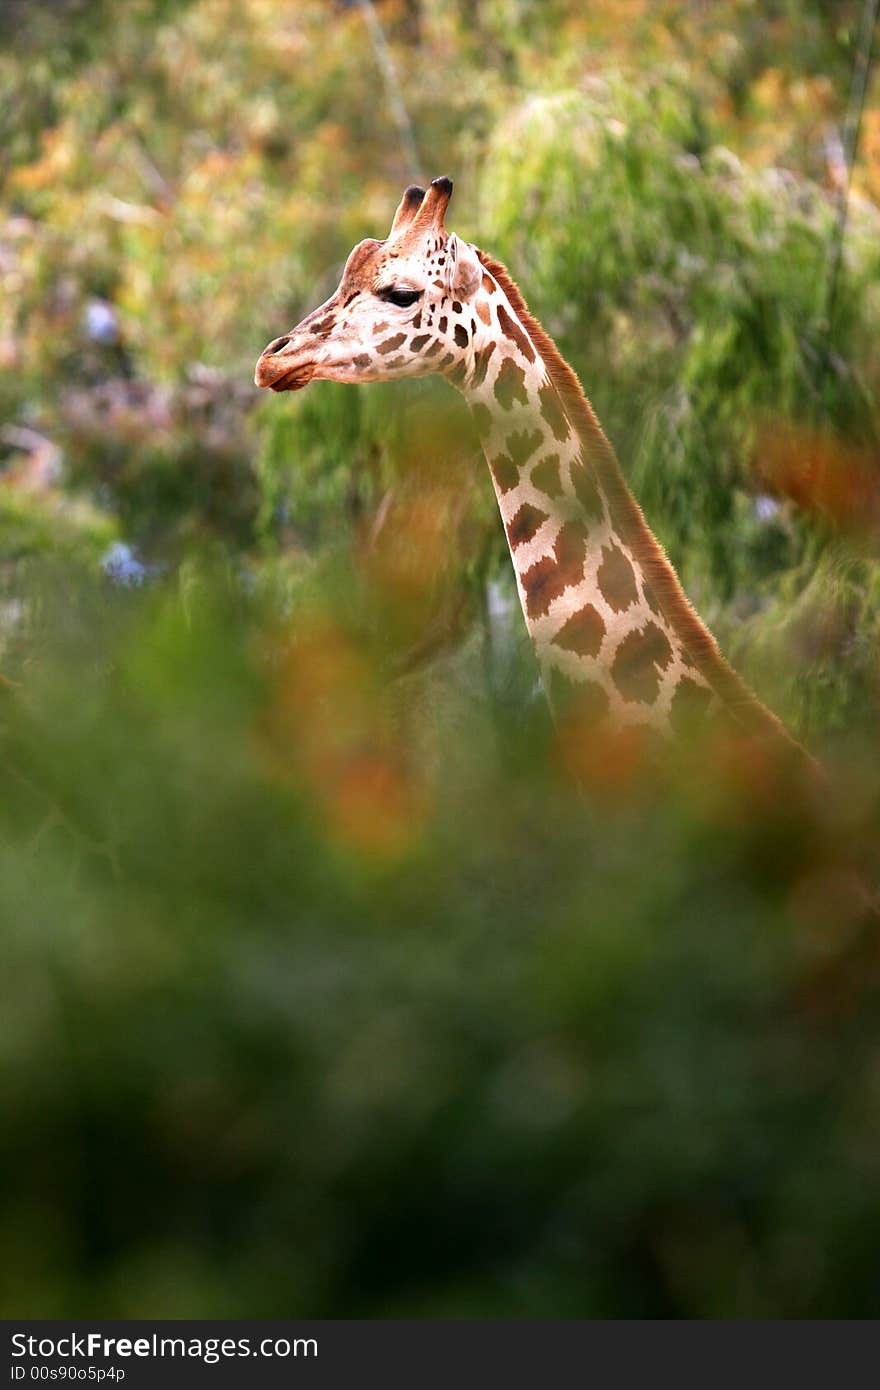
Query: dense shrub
{"points": [[317, 1001]]}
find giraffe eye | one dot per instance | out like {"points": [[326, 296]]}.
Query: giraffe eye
{"points": [[401, 297]]}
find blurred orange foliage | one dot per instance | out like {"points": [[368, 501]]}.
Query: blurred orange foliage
{"points": [[821, 474], [328, 727]]}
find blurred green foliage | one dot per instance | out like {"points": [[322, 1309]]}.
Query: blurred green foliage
{"points": [[324, 990], [298, 1018]]}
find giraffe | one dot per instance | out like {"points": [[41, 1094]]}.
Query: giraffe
{"points": [[618, 644]]}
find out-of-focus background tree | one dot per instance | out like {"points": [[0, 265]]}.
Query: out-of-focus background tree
{"points": [[325, 992]]}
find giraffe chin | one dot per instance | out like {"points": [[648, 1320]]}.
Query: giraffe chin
{"points": [[294, 379]]}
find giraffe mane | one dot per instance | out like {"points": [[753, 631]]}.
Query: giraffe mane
{"points": [[630, 521]]}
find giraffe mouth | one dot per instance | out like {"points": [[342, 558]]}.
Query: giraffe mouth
{"points": [[279, 375], [294, 379]]}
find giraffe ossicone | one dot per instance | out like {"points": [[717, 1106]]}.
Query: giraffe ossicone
{"points": [[617, 641]]}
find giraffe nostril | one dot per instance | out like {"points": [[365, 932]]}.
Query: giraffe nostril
{"points": [[276, 345]]}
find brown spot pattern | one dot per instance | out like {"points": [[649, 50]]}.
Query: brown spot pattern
{"points": [[461, 335], [689, 706], [551, 409], [687, 659], [522, 444], [586, 490], [483, 311], [640, 658], [584, 701], [511, 329], [443, 324], [391, 343], [654, 604], [583, 632], [510, 385], [488, 283], [504, 471], [363, 359], [418, 343], [546, 476], [525, 525], [551, 576], [481, 364], [617, 580]]}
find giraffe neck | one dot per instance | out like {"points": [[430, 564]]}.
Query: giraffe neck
{"points": [[593, 617], [615, 637]]}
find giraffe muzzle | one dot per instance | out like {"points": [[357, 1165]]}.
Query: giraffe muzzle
{"points": [[281, 371]]}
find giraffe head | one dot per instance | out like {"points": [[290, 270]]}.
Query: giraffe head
{"points": [[404, 307]]}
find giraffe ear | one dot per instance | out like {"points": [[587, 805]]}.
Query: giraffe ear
{"points": [[467, 271]]}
